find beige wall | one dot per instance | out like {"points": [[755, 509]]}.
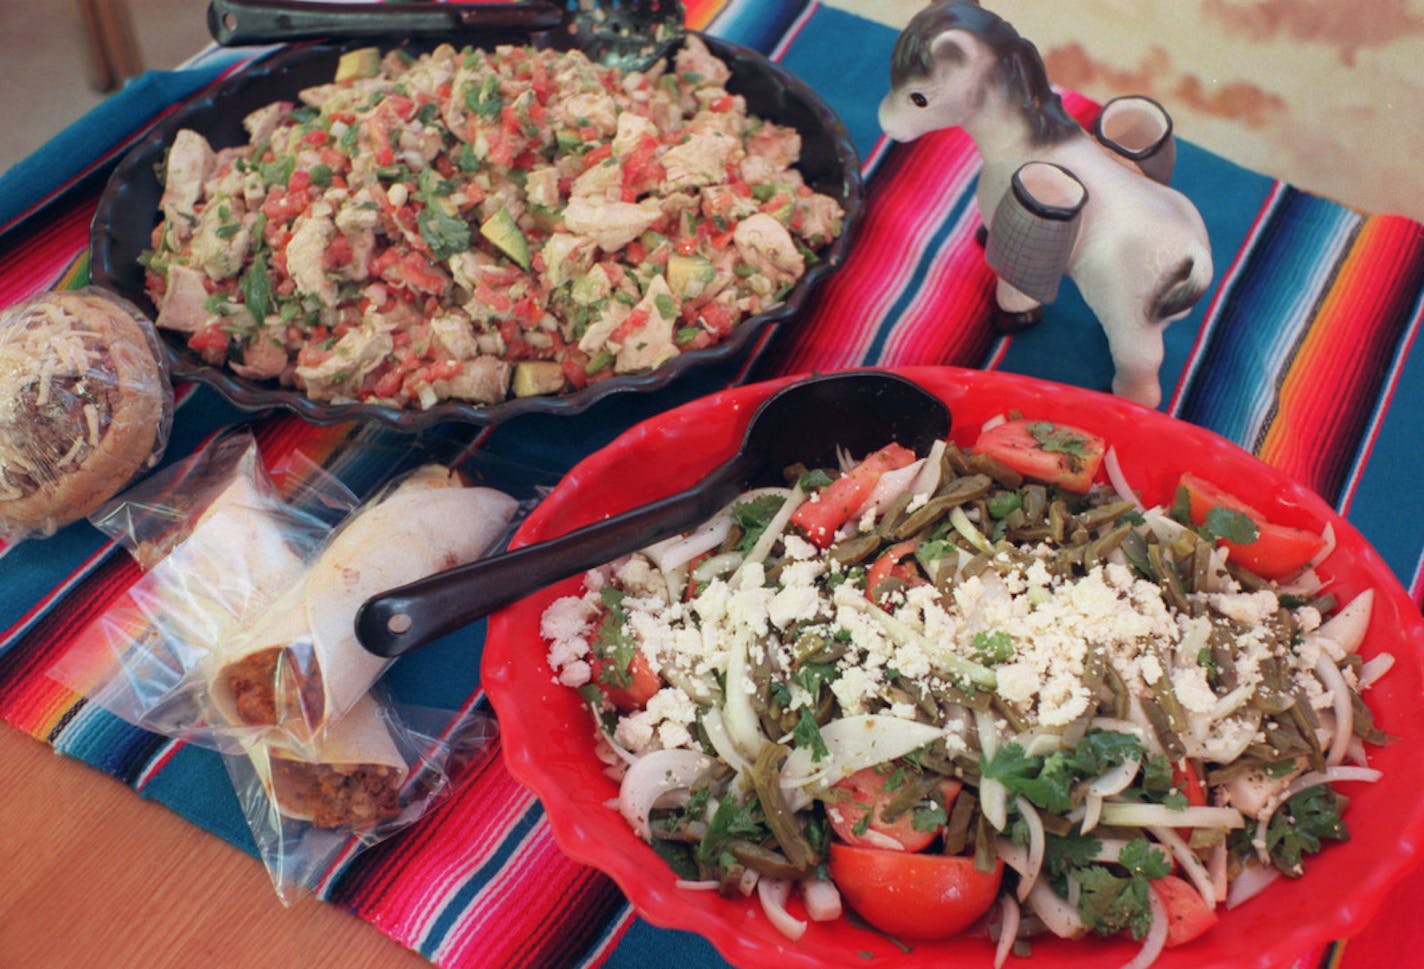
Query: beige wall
{"points": [[1325, 94]]}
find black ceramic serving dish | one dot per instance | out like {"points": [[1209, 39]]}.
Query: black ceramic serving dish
{"points": [[128, 212]]}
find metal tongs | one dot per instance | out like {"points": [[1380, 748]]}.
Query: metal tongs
{"points": [[628, 34]]}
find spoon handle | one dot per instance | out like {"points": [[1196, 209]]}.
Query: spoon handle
{"points": [[399, 620], [234, 23]]}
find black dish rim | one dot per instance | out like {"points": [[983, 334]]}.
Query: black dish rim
{"points": [[119, 212]]}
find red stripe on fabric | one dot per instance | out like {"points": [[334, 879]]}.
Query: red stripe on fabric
{"points": [[34, 266], [1332, 384], [906, 203]]}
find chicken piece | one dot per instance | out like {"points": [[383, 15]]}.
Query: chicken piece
{"points": [[695, 58], [220, 241], [263, 358], [721, 200], [455, 334], [777, 145], [651, 344], [596, 336], [590, 109], [764, 243], [612, 225], [566, 256], [631, 130], [190, 163], [356, 354], [261, 123], [184, 305], [484, 380], [603, 180], [541, 187], [817, 219], [306, 254], [700, 160]]}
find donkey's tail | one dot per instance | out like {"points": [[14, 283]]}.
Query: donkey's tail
{"points": [[1178, 291]]}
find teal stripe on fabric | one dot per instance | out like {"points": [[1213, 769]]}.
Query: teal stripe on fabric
{"points": [[455, 907], [758, 24], [195, 784], [1266, 313], [1377, 503], [852, 80], [102, 740], [648, 947]]}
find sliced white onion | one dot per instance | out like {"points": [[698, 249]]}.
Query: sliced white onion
{"points": [[740, 717], [776, 526], [1375, 668], [1012, 854], [748, 882], [853, 743], [1109, 849], [1327, 535], [711, 885], [716, 730], [1114, 781], [1156, 936], [993, 796], [1118, 480], [1057, 915], [681, 549], [1347, 627], [1039, 743], [927, 480], [1126, 814], [1113, 725], [1092, 812], [773, 893], [1009, 917], [716, 566], [1356, 754], [1217, 866], [1035, 845], [1329, 674], [822, 900], [966, 528], [993, 422], [1190, 863], [1232, 701], [892, 485], [1252, 880], [653, 777]]}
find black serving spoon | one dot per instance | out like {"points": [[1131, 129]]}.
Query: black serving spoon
{"points": [[858, 411], [627, 34]]}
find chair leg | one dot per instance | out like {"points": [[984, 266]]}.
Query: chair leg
{"points": [[113, 52]]}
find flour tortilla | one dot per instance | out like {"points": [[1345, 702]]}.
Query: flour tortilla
{"points": [[359, 741], [425, 525]]}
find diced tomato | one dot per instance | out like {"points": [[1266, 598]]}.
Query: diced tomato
{"points": [[316, 138], [1185, 779], [573, 364], [1044, 451], [828, 510], [528, 309], [1188, 915], [635, 253], [723, 103], [210, 338], [597, 155], [718, 319], [631, 324], [415, 270], [643, 683], [864, 792], [388, 383], [498, 302], [913, 896], [1278, 551], [640, 171], [892, 564], [282, 207], [345, 117], [402, 106], [686, 246], [338, 252]]}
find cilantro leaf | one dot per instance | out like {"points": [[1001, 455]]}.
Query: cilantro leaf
{"points": [[993, 647], [1063, 853], [445, 234], [1102, 750], [929, 815], [1140, 857], [753, 517], [1060, 440], [1044, 781], [1301, 824], [1005, 503], [613, 642], [808, 735], [485, 101], [1110, 903], [256, 287], [814, 480], [1230, 524]]}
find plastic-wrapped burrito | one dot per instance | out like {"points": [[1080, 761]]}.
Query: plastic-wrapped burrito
{"points": [[352, 776], [301, 666]]}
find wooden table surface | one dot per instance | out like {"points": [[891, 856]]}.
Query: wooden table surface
{"points": [[91, 875]]}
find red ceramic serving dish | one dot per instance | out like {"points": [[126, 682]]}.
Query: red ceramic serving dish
{"points": [[548, 735]]}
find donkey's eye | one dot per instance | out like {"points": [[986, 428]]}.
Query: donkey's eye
{"points": [[919, 100]]}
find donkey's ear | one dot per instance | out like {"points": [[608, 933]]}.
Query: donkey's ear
{"points": [[952, 46]]}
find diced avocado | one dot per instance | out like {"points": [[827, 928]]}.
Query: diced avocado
{"points": [[364, 62], [591, 287], [534, 377], [501, 230], [688, 276]]}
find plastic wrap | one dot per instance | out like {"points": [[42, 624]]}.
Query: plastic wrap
{"points": [[85, 407], [241, 586]]}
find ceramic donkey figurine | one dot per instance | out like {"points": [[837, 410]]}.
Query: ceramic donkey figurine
{"points": [[1057, 199]]}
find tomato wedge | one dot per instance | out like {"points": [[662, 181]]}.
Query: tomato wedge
{"points": [[1188, 915], [830, 508], [1045, 451], [1278, 551], [864, 792], [910, 896], [643, 683], [892, 564]]}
